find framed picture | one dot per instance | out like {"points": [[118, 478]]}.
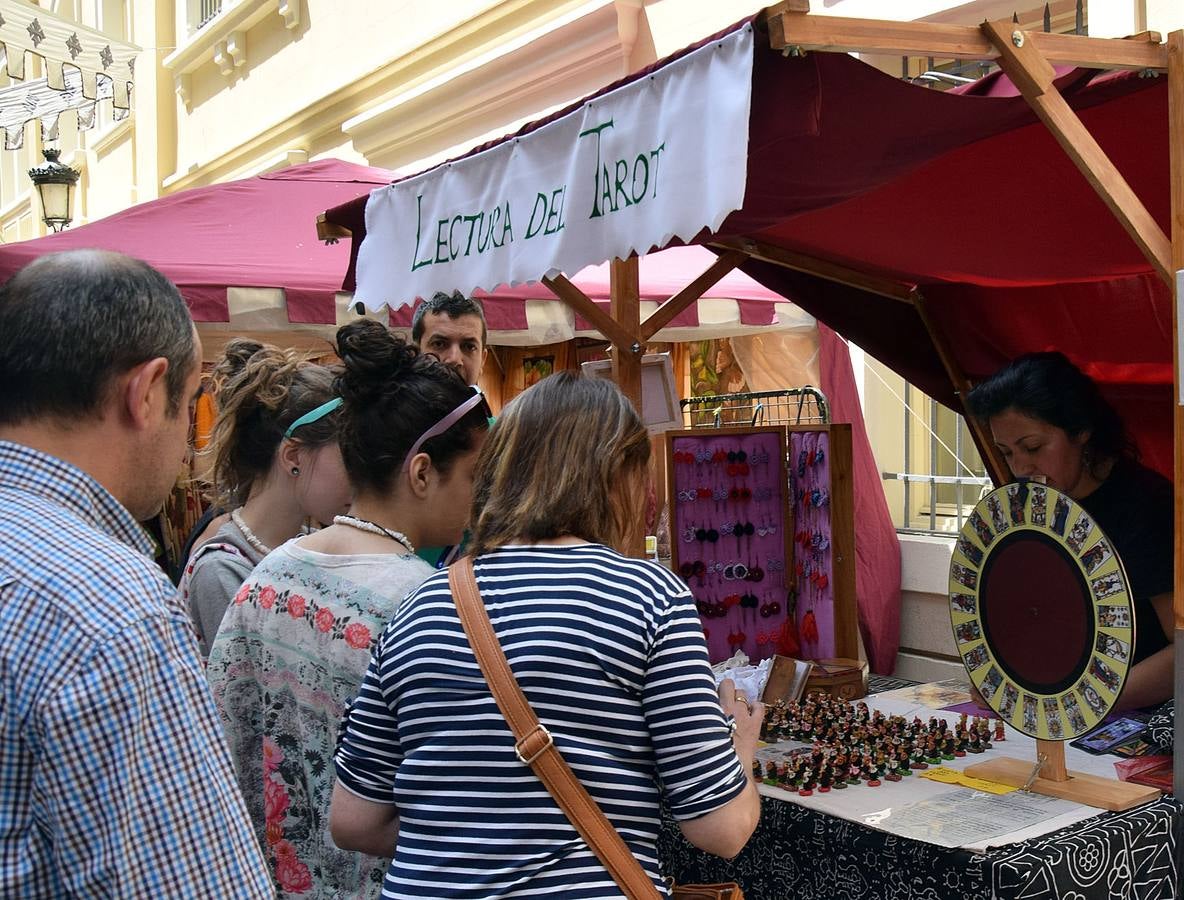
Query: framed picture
{"points": [[660, 411], [536, 368]]}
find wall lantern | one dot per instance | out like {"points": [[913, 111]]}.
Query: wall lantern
{"points": [[55, 184]]}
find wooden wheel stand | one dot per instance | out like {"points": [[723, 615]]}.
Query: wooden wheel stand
{"points": [[1049, 776]]}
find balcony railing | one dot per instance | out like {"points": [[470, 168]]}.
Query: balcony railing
{"points": [[207, 9]]}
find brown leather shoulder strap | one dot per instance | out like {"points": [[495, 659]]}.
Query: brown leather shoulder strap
{"points": [[533, 742]]}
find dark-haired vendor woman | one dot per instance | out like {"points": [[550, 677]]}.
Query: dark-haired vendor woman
{"points": [[1051, 424]]}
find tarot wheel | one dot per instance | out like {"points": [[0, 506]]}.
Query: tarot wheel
{"points": [[1041, 611]]}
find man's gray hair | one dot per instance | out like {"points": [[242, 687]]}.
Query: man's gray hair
{"points": [[71, 322]]}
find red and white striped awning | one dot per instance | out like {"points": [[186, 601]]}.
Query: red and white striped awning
{"points": [[529, 315]]}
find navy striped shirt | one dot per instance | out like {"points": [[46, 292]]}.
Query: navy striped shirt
{"points": [[610, 653]]}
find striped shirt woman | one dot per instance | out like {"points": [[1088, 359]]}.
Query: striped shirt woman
{"points": [[607, 649], [611, 656]]}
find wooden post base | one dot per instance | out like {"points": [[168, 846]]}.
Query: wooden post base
{"points": [[1089, 790]]}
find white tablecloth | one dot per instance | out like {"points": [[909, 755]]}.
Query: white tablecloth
{"points": [[875, 806]]}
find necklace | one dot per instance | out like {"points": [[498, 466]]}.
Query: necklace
{"points": [[237, 517], [373, 528]]}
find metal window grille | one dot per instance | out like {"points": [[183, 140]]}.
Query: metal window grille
{"points": [[795, 406], [954, 478], [943, 74]]}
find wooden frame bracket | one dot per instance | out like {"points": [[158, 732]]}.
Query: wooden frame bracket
{"points": [[1021, 59], [992, 459], [331, 232], [794, 29], [821, 268], [562, 288], [663, 315]]}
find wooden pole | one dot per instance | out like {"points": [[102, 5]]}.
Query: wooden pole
{"points": [[626, 311], [991, 457], [1175, 45]]}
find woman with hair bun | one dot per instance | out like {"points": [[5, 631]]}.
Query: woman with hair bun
{"points": [[1051, 424], [294, 645], [607, 649], [276, 465]]}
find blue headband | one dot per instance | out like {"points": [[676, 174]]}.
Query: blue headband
{"points": [[309, 417]]}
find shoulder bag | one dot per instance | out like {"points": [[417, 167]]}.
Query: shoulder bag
{"points": [[534, 746]]}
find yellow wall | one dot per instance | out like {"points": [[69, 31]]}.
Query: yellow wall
{"points": [[399, 83]]}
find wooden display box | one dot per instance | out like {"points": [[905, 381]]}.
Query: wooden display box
{"points": [[845, 679], [788, 679], [841, 511]]}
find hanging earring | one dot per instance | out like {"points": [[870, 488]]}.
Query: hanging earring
{"points": [[295, 470]]}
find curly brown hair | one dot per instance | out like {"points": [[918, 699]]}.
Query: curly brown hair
{"points": [[274, 388]]}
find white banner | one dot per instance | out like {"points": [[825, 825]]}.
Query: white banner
{"points": [[662, 156]]}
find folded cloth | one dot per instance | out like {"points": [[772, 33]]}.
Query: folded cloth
{"points": [[1161, 727]]}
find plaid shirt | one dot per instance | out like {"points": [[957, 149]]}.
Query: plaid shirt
{"points": [[115, 780]]}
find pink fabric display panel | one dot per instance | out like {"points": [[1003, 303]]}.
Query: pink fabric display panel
{"points": [[813, 572], [729, 539]]}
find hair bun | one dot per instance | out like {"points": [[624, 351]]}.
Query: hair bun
{"points": [[236, 354], [372, 357]]}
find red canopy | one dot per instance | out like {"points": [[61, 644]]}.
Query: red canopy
{"points": [[256, 232], [971, 199]]}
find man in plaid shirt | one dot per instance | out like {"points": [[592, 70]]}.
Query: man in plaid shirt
{"points": [[114, 776]]}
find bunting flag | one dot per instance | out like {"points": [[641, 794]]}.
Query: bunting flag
{"points": [[25, 101], [26, 28]]}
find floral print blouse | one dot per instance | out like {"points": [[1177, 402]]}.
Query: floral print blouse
{"points": [[286, 662]]}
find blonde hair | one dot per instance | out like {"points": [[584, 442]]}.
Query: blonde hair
{"points": [[566, 458], [273, 389]]}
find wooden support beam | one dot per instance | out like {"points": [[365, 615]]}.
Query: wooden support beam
{"points": [[991, 457], [1176, 188], [1033, 75], [822, 268], [663, 315], [625, 284], [790, 29], [330, 231], [562, 288]]}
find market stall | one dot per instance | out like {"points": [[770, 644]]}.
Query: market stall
{"points": [[838, 183], [829, 179]]}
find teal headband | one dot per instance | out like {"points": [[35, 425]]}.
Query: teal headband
{"points": [[312, 415]]}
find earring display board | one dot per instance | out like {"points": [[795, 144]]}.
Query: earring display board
{"points": [[730, 534], [1041, 611], [823, 575]]}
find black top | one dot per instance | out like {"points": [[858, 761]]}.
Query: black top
{"points": [[1134, 507]]}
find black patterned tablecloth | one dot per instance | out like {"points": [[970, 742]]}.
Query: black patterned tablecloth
{"points": [[802, 854]]}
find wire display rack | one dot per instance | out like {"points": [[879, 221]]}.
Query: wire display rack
{"points": [[795, 406]]}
